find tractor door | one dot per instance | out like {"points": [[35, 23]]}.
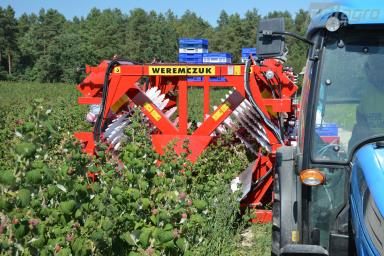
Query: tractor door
{"points": [[345, 108]]}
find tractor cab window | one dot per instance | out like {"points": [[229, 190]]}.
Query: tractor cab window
{"points": [[350, 97]]}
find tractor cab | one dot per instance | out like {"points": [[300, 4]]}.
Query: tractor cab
{"points": [[318, 210]]}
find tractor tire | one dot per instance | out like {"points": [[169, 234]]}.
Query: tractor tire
{"points": [[284, 209]]}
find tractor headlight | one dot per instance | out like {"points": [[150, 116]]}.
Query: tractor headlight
{"points": [[333, 24], [312, 177]]}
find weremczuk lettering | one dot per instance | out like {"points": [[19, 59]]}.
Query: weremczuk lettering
{"points": [[181, 70]]}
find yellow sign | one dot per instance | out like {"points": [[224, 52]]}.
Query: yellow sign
{"points": [[117, 70], [153, 112], [220, 112], [237, 71], [148, 107], [182, 70], [295, 236], [155, 115]]}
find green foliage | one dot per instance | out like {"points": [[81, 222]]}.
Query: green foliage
{"points": [[24, 197], [7, 178], [48, 206], [67, 207]]}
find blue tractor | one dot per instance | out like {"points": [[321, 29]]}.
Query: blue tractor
{"points": [[329, 189]]}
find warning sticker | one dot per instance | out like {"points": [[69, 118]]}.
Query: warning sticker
{"points": [[148, 107], [182, 70], [234, 70], [153, 112], [237, 71], [220, 112], [155, 115], [117, 70]]}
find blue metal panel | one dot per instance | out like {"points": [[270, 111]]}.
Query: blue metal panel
{"points": [[362, 245], [370, 160], [217, 79], [195, 79], [356, 11]]}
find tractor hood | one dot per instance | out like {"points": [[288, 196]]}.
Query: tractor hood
{"points": [[357, 12], [370, 158]]}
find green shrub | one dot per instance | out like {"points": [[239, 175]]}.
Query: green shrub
{"points": [[48, 206]]}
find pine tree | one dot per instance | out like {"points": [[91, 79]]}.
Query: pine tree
{"points": [[8, 33], [47, 47]]}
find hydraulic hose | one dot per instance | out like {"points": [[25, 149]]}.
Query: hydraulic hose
{"points": [[99, 121], [275, 130]]}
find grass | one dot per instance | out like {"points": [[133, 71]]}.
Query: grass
{"points": [[344, 115], [12, 93], [256, 240], [61, 98], [53, 93], [196, 98]]}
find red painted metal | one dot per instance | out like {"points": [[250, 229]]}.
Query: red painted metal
{"points": [[262, 216], [196, 144], [271, 96], [88, 142]]}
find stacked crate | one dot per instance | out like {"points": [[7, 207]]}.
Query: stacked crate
{"points": [[217, 58], [245, 52], [191, 51]]}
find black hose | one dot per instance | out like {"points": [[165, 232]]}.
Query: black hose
{"points": [[305, 40], [268, 122], [99, 121], [281, 119]]}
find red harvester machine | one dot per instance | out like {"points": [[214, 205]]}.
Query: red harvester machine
{"points": [[259, 108]]}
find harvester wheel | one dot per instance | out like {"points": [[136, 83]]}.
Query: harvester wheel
{"points": [[284, 209]]}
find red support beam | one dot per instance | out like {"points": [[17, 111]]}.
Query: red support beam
{"points": [[183, 107], [207, 90], [219, 115]]}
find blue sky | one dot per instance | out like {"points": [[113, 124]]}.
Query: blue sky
{"points": [[207, 9]]}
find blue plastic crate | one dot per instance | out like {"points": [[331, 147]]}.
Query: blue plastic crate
{"points": [[326, 130], [217, 57], [193, 45], [245, 52], [193, 50], [193, 42], [192, 58]]}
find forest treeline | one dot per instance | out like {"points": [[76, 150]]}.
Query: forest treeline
{"points": [[47, 47]]}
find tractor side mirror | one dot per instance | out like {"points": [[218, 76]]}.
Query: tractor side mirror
{"points": [[270, 40]]}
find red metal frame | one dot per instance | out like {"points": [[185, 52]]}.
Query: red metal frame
{"points": [[123, 81]]}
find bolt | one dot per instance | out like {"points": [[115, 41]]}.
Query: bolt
{"points": [[269, 74]]}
